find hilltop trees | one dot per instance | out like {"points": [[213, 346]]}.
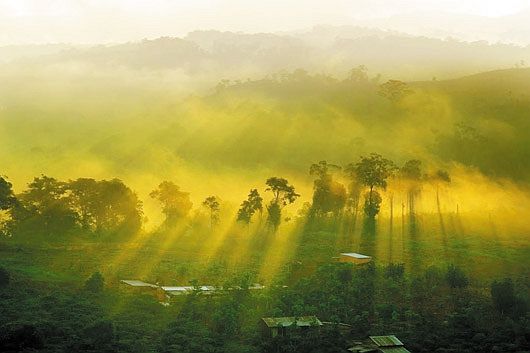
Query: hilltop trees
{"points": [[283, 194], [176, 204], [373, 172], [328, 195]]}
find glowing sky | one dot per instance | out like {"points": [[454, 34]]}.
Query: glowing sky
{"points": [[97, 21]]}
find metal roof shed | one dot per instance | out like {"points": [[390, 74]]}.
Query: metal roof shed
{"points": [[354, 257], [141, 284], [389, 344]]}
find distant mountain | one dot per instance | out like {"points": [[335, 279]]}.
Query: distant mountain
{"points": [[214, 55]]}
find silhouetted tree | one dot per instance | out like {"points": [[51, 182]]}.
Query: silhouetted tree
{"points": [[213, 206], [106, 205], [438, 178], [253, 204], [7, 197], [46, 208], [176, 204], [372, 171], [411, 173], [328, 195], [283, 194], [7, 202]]}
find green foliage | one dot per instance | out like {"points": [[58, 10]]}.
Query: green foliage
{"points": [[106, 205], [395, 271], [328, 195], [4, 277], [7, 197], [274, 215], [455, 277], [95, 284], [372, 203], [97, 337], [506, 300], [176, 204], [20, 338], [188, 336], [283, 194], [372, 171], [249, 207]]}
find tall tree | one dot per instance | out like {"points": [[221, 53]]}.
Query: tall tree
{"points": [[213, 206], [439, 178], [373, 172], [328, 195], [253, 204], [411, 173], [283, 194], [176, 204]]}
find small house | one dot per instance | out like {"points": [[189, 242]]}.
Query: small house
{"points": [[282, 326], [138, 284], [143, 287], [354, 258], [389, 344], [379, 344]]}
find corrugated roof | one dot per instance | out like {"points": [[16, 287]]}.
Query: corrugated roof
{"points": [[356, 255], [394, 350], [386, 341], [135, 283], [300, 321]]}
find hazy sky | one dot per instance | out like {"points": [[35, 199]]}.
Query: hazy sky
{"points": [[98, 21]]}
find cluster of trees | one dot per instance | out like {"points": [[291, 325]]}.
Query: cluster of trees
{"points": [[52, 207], [368, 178]]}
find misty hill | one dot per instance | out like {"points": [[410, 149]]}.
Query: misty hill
{"points": [[214, 55], [281, 122]]}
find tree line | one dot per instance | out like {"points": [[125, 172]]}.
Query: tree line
{"points": [[50, 206]]}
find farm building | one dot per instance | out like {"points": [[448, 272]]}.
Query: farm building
{"points": [[354, 258], [208, 290], [281, 326], [379, 344], [389, 344], [184, 290], [138, 284], [143, 287]]}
